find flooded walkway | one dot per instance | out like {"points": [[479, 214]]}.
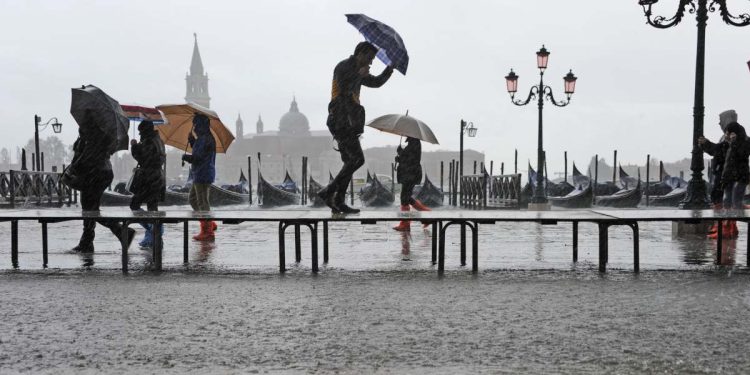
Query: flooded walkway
{"points": [[366, 321]]}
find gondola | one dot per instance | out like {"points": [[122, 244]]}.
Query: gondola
{"points": [[429, 194], [629, 197], [553, 189], [581, 197], [374, 194], [673, 198], [312, 193], [288, 185], [272, 196], [223, 197]]}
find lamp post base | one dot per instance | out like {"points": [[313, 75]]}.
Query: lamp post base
{"points": [[539, 207], [697, 196]]}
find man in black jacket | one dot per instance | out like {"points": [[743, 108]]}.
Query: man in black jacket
{"points": [[91, 159], [149, 182], [346, 120]]}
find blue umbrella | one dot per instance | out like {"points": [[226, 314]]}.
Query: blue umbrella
{"points": [[391, 48]]}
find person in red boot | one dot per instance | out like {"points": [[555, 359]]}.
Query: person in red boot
{"points": [[736, 173], [718, 152], [409, 174], [203, 160]]}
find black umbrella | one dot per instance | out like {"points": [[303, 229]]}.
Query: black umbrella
{"points": [[90, 106]]}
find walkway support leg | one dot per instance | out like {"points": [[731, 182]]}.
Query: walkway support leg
{"points": [[636, 248], [185, 242], [463, 244], [325, 242], [314, 241], [603, 239], [282, 260], [45, 247], [297, 244], [475, 248], [124, 245], [14, 243], [575, 242], [719, 240], [435, 244], [441, 250]]}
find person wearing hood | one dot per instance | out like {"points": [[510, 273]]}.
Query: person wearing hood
{"points": [[346, 120], [149, 181], [409, 174], [93, 169], [203, 161], [718, 152]]}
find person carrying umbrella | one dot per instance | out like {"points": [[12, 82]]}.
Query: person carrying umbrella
{"points": [[203, 160], [149, 182], [94, 173], [409, 174], [346, 118]]}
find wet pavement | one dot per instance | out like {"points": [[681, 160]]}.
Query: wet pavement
{"points": [[378, 306]]}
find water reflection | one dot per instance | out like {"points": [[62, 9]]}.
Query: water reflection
{"points": [[405, 246], [204, 253], [728, 251], [696, 250]]}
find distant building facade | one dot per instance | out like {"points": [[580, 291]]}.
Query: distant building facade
{"points": [[196, 81]]}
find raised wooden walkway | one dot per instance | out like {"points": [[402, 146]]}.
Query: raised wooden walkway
{"points": [[318, 219]]}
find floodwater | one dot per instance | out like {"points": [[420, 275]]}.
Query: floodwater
{"points": [[378, 306]]}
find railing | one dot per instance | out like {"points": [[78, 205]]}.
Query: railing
{"points": [[485, 191], [40, 188]]}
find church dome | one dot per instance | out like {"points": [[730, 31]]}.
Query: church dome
{"points": [[294, 122]]}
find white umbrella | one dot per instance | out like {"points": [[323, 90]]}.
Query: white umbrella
{"points": [[404, 125]]}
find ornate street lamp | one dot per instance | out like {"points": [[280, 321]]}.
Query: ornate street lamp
{"points": [[56, 127], [540, 92], [697, 195]]}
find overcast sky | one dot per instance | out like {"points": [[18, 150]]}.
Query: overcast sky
{"points": [[634, 92]]}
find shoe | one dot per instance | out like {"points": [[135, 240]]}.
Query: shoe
{"points": [[148, 239], [403, 225], [83, 248], [214, 226], [202, 233], [344, 209], [329, 200], [419, 206]]}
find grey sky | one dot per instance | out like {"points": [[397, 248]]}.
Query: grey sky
{"points": [[634, 93]]}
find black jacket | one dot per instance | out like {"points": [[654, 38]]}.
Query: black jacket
{"points": [[346, 117], [736, 162], [409, 170], [149, 180]]}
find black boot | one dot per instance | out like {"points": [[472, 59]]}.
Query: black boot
{"points": [[86, 243], [329, 198]]}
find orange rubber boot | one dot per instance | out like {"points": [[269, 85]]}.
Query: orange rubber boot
{"points": [[715, 227], [404, 225], [214, 226], [734, 232], [207, 233], [419, 206]]}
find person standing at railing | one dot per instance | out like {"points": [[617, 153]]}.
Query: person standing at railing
{"points": [[149, 181], [718, 152], [203, 160], [409, 174], [92, 173]]}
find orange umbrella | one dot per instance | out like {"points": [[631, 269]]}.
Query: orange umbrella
{"points": [[179, 123]]}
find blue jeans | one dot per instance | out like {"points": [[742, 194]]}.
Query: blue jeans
{"points": [[734, 194]]}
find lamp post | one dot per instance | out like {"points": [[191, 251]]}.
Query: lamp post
{"points": [[540, 92], [56, 127], [469, 129], [697, 196]]}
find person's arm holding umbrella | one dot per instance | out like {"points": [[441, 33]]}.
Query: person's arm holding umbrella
{"points": [[370, 80]]}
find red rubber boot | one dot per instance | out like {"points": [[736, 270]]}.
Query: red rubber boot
{"points": [[404, 225]]}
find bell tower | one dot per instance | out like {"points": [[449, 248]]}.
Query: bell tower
{"points": [[197, 80]]}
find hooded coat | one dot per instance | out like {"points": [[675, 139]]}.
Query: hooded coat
{"points": [[149, 180], [409, 170], [736, 167], [203, 157]]}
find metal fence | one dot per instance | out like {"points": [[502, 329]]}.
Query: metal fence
{"points": [[484, 191], [39, 188]]}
